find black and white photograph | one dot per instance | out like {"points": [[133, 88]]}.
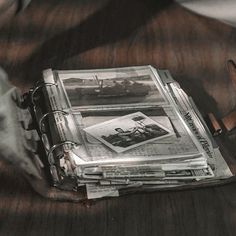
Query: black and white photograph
{"points": [[95, 90], [128, 131]]}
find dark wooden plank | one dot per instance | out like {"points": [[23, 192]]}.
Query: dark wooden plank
{"points": [[90, 34], [208, 211]]}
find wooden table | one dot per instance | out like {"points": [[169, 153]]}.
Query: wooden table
{"points": [[96, 34]]}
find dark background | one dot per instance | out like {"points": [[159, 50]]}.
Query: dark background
{"points": [[76, 34]]}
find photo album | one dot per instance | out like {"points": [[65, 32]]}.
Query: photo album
{"points": [[110, 132]]}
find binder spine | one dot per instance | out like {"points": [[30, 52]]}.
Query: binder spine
{"points": [[49, 146], [37, 87], [41, 120], [55, 146]]}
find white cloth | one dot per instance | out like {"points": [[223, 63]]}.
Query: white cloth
{"points": [[15, 147], [223, 10]]}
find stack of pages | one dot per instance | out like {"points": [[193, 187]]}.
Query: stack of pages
{"points": [[125, 129]]}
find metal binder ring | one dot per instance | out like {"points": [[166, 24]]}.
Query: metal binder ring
{"points": [[58, 145], [37, 88], [47, 114]]}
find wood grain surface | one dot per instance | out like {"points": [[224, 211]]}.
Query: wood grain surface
{"points": [[76, 34]]}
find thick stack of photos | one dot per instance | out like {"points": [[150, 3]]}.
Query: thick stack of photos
{"points": [[127, 128]]}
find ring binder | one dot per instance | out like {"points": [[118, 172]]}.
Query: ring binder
{"points": [[45, 141], [84, 149], [55, 146], [37, 88], [54, 174], [47, 114]]}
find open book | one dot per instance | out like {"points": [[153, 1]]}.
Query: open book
{"points": [[117, 130]]}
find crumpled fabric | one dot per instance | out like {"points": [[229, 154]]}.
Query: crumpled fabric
{"points": [[217, 9], [15, 141]]}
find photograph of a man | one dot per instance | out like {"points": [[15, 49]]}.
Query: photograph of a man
{"points": [[128, 131]]}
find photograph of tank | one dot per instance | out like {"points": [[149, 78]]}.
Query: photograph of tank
{"points": [[128, 131], [112, 91]]}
